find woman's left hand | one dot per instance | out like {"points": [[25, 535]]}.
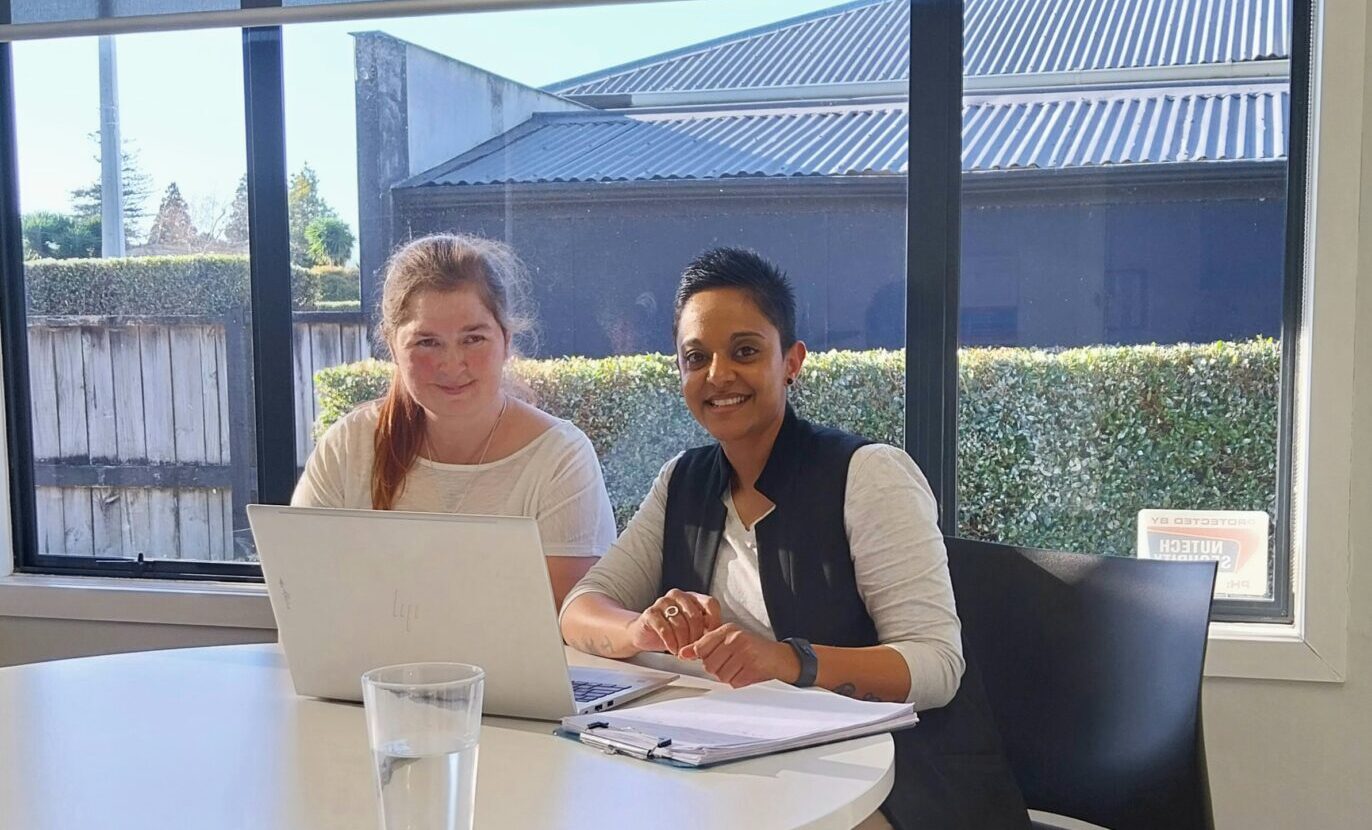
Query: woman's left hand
{"points": [[740, 658]]}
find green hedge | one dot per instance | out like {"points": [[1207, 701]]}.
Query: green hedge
{"points": [[1057, 448], [157, 285], [338, 305], [1062, 449], [338, 284]]}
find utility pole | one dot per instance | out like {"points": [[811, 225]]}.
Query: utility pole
{"points": [[111, 155]]}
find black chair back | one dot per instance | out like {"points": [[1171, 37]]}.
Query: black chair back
{"points": [[1092, 666]]}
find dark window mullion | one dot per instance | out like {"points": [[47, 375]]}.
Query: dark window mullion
{"points": [[1280, 609], [14, 325], [269, 246], [932, 247]]}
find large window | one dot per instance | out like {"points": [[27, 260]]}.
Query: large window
{"points": [[1117, 364], [1123, 281], [138, 313], [607, 145]]}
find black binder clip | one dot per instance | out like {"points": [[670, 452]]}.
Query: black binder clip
{"points": [[623, 741]]}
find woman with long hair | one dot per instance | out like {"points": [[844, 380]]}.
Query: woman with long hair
{"points": [[790, 551], [449, 436]]}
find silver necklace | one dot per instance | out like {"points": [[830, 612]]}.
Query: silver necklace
{"points": [[504, 404]]}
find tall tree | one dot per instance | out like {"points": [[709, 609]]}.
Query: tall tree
{"points": [[60, 236], [305, 205], [137, 186], [236, 226], [172, 225], [330, 241]]}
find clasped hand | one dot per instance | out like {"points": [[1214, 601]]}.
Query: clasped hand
{"points": [[694, 632]]}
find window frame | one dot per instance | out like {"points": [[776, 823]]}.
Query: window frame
{"points": [[929, 39], [272, 444], [1313, 646]]}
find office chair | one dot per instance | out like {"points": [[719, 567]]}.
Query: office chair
{"points": [[1092, 667]]}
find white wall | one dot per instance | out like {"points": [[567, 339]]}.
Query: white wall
{"points": [[1299, 755], [33, 639]]}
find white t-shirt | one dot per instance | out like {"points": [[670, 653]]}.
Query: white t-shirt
{"points": [[555, 479], [898, 556]]}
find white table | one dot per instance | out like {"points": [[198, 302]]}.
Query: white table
{"points": [[213, 738]]}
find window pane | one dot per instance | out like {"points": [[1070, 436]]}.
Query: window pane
{"points": [[1124, 172], [140, 359], [608, 179]]}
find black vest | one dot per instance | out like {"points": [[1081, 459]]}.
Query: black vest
{"points": [[950, 770]]}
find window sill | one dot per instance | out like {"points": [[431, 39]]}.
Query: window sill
{"points": [[1262, 651], [161, 602], [1238, 650]]}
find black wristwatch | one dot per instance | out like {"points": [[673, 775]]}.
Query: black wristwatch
{"points": [[809, 663]]}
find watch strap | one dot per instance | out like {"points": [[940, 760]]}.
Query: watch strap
{"points": [[809, 661]]}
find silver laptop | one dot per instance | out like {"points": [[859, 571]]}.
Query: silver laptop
{"points": [[353, 590]]}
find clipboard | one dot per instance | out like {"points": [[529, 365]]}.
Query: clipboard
{"points": [[733, 724], [623, 741]]}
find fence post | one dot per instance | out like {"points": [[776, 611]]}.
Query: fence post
{"points": [[242, 428]]}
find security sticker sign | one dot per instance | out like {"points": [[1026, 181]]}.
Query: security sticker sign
{"points": [[1236, 539]]}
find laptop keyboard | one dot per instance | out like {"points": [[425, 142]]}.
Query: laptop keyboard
{"points": [[585, 691]]}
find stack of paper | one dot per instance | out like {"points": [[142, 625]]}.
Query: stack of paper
{"points": [[737, 723]]}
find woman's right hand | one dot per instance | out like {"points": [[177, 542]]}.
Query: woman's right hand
{"points": [[660, 629]]}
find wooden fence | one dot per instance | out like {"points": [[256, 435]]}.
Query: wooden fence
{"points": [[143, 428]]}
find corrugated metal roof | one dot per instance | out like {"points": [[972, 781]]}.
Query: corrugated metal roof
{"points": [[1003, 132], [1024, 36], [852, 43], [1169, 126], [835, 141], [869, 41]]}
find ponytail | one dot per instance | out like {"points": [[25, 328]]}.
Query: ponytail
{"points": [[399, 434]]}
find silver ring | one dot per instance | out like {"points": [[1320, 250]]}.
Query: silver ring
{"points": [[670, 611]]}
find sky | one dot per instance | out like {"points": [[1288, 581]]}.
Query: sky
{"points": [[181, 93]]}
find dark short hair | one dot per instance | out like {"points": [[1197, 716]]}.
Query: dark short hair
{"points": [[743, 269]]}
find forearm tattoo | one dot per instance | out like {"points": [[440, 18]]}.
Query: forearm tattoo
{"points": [[850, 690], [603, 649]]}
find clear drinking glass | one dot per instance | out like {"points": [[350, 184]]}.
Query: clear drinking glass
{"points": [[424, 720]]}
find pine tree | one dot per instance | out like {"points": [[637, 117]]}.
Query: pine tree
{"points": [[136, 184], [172, 225]]}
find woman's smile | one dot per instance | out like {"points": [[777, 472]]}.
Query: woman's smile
{"points": [[455, 388], [726, 403]]}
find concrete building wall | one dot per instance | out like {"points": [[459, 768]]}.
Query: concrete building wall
{"points": [[416, 109], [453, 106]]}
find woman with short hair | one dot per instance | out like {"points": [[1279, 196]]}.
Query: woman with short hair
{"points": [[790, 551]]}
